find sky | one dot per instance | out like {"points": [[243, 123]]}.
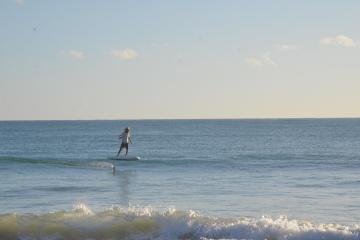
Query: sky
{"points": [[79, 59]]}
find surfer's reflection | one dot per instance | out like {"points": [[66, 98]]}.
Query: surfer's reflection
{"points": [[126, 177]]}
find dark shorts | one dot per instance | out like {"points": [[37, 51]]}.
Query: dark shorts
{"points": [[124, 145]]}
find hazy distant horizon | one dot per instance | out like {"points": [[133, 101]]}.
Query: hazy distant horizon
{"points": [[180, 119]]}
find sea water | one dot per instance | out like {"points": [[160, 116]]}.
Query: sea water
{"points": [[197, 179]]}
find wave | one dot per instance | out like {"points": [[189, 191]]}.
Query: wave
{"points": [[146, 223], [91, 163], [238, 161], [105, 162]]}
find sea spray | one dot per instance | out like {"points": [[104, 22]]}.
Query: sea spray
{"points": [[147, 223]]}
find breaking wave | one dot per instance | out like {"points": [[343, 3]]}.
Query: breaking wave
{"points": [[146, 223]]}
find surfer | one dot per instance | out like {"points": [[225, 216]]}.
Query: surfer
{"points": [[125, 139]]}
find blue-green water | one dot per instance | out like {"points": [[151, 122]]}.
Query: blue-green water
{"points": [[197, 179]]}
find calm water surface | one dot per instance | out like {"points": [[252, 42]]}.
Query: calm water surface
{"points": [[303, 168]]}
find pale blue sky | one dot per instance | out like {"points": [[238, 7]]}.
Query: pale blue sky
{"points": [[179, 59]]}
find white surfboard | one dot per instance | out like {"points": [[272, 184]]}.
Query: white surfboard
{"points": [[123, 158]]}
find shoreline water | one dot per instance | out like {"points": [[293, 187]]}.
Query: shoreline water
{"points": [[146, 223]]}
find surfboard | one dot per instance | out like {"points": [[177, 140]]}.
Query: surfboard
{"points": [[123, 158]]}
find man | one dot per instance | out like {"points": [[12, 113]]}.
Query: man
{"points": [[125, 139]]}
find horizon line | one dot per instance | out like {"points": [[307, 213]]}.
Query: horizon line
{"points": [[175, 119]]}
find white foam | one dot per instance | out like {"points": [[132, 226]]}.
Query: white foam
{"points": [[149, 223], [82, 208]]}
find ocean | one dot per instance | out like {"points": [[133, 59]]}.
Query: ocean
{"points": [[284, 179]]}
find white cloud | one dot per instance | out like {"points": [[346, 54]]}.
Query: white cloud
{"points": [[76, 54], [267, 59], [125, 54], [339, 40], [286, 47], [264, 60]]}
